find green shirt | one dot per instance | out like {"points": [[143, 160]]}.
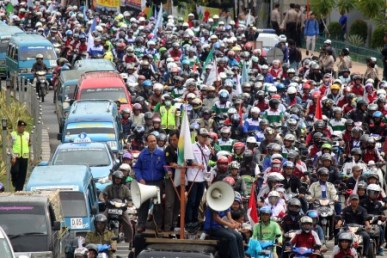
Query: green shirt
{"points": [[271, 231]]}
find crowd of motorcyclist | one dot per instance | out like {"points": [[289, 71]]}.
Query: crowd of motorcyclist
{"points": [[294, 131]]}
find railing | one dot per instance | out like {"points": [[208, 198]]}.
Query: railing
{"points": [[22, 90], [358, 54]]}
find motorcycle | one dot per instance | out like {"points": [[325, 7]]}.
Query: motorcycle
{"points": [[303, 252], [325, 209], [41, 84], [261, 248], [115, 209]]}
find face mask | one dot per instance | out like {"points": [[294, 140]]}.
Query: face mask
{"points": [[168, 103]]}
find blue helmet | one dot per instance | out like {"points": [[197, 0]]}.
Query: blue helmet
{"points": [[69, 33], [313, 214], [265, 210], [147, 83], [185, 62], [377, 114], [280, 86]]}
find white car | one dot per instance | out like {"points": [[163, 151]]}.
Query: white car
{"points": [[268, 37], [6, 249]]}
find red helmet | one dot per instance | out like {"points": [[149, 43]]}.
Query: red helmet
{"points": [[306, 86], [276, 96], [239, 145], [230, 180], [248, 46], [121, 46], [222, 160], [316, 94], [213, 136]]}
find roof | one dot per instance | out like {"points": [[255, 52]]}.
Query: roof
{"points": [[10, 30], [70, 75], [93, 107], [95, 65], [81, 146], [101, 80], [30, 39], [59, 175]]}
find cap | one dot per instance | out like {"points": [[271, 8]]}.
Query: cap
{"points": [[328, 41], [203, 132], [21, 123], [353, 196]]}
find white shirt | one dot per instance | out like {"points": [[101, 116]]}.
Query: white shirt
{"points": [[195, 174]]}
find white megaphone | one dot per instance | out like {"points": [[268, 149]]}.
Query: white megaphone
{"points": [[141, 193], [220, 196]]}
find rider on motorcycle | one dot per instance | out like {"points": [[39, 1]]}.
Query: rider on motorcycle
{"points": [[344, 248], [102, 235], [117, 190]]}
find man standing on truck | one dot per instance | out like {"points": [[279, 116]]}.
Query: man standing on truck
{"points": [[101, 235], [21, 143]]}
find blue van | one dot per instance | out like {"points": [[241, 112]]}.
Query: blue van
{"points": [[22, 51], [98, 119], [77, 192], [6, 32]]}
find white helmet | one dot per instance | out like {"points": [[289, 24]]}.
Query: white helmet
{"points": [[251, 139], [158, 86], [373, 187], [274, 194], [282, 38], [272, 89], [255, 110], [306, 219], [124, 166], [292, 90]]}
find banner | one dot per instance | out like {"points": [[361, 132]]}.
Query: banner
{"points": [[135, 4], [108, 3]]}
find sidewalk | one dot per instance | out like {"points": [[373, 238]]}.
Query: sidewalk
{"points": [[356, 66]]}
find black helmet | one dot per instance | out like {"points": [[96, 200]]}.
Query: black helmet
{"points": [[162, 137], [139, 129], [317, 137], [349, 122], [248, 154], [319, 124], [322, 171], [235, 118], [294, 206], [273, 103], [118, 174]]}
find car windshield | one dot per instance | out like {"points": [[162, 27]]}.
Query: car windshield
{"points": [[77, 156], [18, 219], [69, 200], [91, 128], [5, 250], [29, 53], [113, 94], [4, 45], [68, 91]]}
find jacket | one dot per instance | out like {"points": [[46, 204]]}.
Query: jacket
{"points": [[316, 192], [150, 165], [311, 28]]}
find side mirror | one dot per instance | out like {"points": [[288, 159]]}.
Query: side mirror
{"points": [[43, 163], [59, 137], [56, 225], [94, 210]]}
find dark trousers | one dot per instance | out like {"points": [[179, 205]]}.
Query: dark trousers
{"points": [[193, 202], [172, 205], [233, 241], [275, 26], [19, 173], [291, 31], [157, 208]]}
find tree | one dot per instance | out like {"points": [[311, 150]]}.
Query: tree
{"points": [[371, 8], [346, 5]]}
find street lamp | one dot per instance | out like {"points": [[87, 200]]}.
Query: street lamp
{"points": [[4, 123]]}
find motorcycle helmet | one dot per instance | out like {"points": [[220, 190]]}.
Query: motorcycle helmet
{"points": [[356, 151], [235, 119], [289, 164], [377, 114], [322, 171], [240, 146], [293, 155], [117, 175], [100, 218], [373, 191], [139, 129], [290, 137], [313, 214], [231, 112], [80, 252], [294, 206], [148, 115], [265, 210], [306, 224], [234, 165], [92, 248], [346, 236]]}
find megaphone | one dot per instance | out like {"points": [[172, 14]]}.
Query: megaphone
{"points": [[141, 193], [220, 196]]}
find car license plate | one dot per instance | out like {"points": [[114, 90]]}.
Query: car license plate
{"points": [[76, 223], [115, 211]]}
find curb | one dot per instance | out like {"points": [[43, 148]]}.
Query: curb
{"points": [[46, 149]]}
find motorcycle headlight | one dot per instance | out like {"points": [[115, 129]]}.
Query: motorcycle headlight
{"points": [[112, 144]]}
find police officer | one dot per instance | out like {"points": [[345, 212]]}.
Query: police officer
{"points": [[21, 143], [101, 235], [118, 190]]}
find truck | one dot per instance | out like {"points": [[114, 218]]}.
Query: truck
{"points": [[34, 223]]}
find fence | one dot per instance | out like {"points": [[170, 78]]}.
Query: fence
{"points": [[22, 90], [358, 54]]}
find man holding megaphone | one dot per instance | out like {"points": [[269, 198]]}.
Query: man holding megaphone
{"points": [[149, 170]]}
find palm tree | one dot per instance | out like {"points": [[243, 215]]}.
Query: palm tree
{"points": [[371, 8]]}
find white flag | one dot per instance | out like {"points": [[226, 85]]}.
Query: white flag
{"points": [[212, 76]]}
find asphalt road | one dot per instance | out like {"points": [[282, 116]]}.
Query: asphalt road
{"points": [[51, 123]]}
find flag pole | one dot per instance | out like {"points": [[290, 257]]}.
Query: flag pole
{"points": [[182, 202]]}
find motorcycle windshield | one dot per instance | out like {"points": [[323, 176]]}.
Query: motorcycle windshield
{"points": [[324, 202]]}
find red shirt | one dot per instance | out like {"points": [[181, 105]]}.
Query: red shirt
{"points": [[358, 90], [347, 108], [307, 240]]}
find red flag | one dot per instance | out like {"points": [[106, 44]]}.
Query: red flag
{"points": [[241, 114], [318, 113], [252, 213]]}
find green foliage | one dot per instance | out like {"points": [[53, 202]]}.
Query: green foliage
{"points": [[377, 37], [356, 40], [322, 8], [345, 5], [371, 8], [360, 28], [334, 29]]}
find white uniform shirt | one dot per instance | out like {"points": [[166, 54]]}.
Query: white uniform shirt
{"points": [[195, 174]]}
